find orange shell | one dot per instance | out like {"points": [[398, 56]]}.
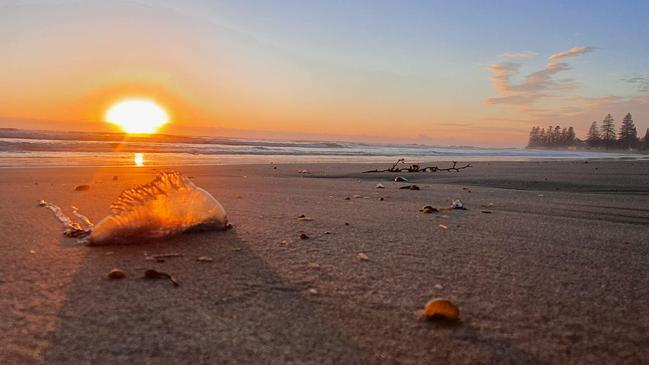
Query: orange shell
{"points": [[441, 308]]}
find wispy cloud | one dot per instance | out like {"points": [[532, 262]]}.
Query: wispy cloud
{"points": [[573, 52], [536, 85], [641, 83], [520, 54]]}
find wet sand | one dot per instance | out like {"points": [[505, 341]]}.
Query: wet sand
{"points": [[555, 274]]}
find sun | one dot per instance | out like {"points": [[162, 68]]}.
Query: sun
{"points": [[137, 116]]}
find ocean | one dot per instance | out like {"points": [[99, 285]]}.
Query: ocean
{"points": [[29, 148]]}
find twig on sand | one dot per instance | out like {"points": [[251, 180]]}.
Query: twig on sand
{"points": [[416, 168]]}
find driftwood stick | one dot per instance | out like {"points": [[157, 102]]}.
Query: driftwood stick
{"points": [[417, 168]]}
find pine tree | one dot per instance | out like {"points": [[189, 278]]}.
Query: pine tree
{"points": [[628, 133], [563, 138], [556, 136], [593, 139], [646, 140], [570, 137], [534, 137], [608, 135]]}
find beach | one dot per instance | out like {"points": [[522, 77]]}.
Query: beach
{"points": [[548, 265]]}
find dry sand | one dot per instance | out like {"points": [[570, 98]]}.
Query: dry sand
{"points": [[556, 274]]}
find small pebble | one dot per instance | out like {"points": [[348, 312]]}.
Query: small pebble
{"points": [[82, 188], [116, 274], [348, 198], [381, 199], [313, 291], [313, 265], [362, 257], [303, 236], [380, 186], [442, 226]]}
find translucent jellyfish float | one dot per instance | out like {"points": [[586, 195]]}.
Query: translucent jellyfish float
{"points": [[168, 205]]}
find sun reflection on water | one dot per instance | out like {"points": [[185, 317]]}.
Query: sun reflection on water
{"points": [[139, 159]]}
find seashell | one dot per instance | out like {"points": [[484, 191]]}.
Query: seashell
{"points": [[441, 309], [457, 204], [428, 209], [116, 274], [400, 179]]}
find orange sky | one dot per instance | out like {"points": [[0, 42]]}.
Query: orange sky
{"points": [[215, 73]]}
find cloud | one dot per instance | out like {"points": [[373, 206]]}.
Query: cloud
{"points": [[520, 54], [573, 52], [641, 83], [537, 85]]}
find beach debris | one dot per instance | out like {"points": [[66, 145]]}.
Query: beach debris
{"points": [[116, 274], [410, 187], [154, 274], [486, 211], [380, 186], [457, 204], [400, 179], [303, 236], [303, 218], [441, 308], [362, 257], [428, 209], [205, 259], [416, 168], [162, 256], [442, 226], [82, 188], [168, 205]]}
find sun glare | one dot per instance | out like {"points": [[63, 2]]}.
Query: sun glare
{"points": [[138, 159], [137, 116]]}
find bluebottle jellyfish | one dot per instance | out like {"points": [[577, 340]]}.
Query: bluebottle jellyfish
{"points": [[168, 205]]}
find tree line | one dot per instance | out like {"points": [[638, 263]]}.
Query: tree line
{"points": [[599, 136]]}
